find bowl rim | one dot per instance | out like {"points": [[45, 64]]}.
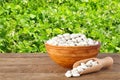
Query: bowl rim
{"points": [[46, 44]]}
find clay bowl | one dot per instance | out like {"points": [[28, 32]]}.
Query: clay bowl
{"points": [[66, 56]]}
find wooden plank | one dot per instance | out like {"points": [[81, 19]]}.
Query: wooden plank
{"points": [[41, 67], [46, 68], [39, 55], [32, 69], [58, 76], [23, 55], [43, 64], [43, 60], [39, 58]]}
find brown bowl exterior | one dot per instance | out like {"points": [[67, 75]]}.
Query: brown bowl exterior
{"points": [[67, 56]]}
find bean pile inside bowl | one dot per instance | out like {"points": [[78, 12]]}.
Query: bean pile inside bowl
{"points": [[72, 40]]}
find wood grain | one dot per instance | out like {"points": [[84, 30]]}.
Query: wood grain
{"points": [[41, 67]]}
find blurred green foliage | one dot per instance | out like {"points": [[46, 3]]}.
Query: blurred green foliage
{"points": [[26, 24]]}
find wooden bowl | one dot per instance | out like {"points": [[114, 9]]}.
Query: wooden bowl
{"points": [[66, 56]]}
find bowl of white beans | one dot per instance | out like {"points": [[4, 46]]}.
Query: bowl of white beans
{"points": [[66, 49]]}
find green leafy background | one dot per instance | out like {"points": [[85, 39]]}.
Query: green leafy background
{"points": [[26, 24]]}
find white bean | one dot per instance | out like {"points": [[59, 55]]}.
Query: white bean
{"points": [[80, 69], [76, 75], [89, 63], [68, 74], [83, 65], [94, 63], [75, 72], [60, 36], [71, 40]]}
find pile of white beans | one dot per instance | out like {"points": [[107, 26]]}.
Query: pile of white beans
{"points": [[75, 72], [71, 40]]}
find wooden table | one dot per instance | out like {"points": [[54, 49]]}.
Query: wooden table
{"points": [[41, 67]]}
